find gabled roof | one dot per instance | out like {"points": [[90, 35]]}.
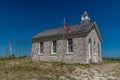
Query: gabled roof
{"points": [[83, 27]]}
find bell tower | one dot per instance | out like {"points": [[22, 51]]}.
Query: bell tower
{"points": [[85, 17]]}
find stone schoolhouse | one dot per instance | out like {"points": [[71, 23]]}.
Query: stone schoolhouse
{"points": [[83, 45]]}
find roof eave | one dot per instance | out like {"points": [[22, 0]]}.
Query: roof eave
{"points": [[73, 33], [98, 32]]}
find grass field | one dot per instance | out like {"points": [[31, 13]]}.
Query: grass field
{"points": [[24, 69]]}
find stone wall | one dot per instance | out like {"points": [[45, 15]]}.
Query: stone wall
{"points": [[95, 47], [77, 56]]}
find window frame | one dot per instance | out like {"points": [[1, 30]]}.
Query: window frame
{"points": [[54, 47], [39, 48], [70, 45]]}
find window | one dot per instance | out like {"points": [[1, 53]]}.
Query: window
{"points": [[70, 45], [54, 46], [41, 47], [94, 47], [90, 50], [99, 52]]}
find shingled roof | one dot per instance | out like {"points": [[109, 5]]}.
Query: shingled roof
{"points": [[59, 31]]}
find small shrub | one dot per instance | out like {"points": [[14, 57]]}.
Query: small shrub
{"points": [[12, 56]]}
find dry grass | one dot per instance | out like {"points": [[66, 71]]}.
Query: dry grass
{"points": [[23, 69]]}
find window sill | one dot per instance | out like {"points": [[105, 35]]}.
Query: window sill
{"points": [[40, 54], [69, 53], [53, 53]]}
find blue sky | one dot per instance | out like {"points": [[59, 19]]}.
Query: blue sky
{"points": [[22, 19]]}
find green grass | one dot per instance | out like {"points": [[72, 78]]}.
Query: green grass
{"points": [[111, 60]]}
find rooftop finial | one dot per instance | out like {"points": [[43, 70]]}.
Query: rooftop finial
{"points": [[85, 12]]}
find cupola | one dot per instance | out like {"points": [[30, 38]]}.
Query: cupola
{"points": [[85, 17]]}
